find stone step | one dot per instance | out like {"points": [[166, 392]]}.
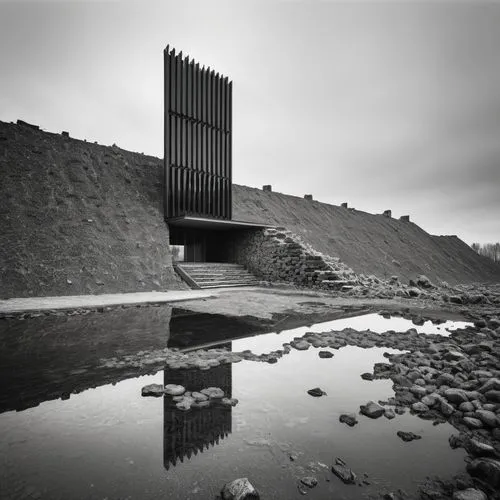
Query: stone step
{"points": [[210, 265], [222, 284], [216, 274], [219, 276], [223, 278]]}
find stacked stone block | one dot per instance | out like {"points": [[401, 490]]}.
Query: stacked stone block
{"points": [[278, 255]]}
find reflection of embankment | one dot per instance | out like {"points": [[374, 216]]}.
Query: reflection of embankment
{"points": [[187, 433], [53, 356]]}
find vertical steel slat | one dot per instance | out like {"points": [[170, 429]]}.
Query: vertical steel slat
{"points": [[216, 111], [194, 146], [166, 129], [188, 191], [174, 196], [223, 125], [210, 97], [186, 115], [230, 148], [173, 137], [173, 102], [188, 112], [189, 87], [209, 113], [191, 118], [196, 93], [216, 100], [204, 102], [180, 78]]}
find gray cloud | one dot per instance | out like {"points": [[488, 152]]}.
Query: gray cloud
{"points": [[386, 105]]}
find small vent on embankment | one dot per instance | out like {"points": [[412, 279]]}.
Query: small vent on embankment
{"points": [[215, 275]]}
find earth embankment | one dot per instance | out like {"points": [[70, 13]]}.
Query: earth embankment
{"points": [[368, 243], [79, 218], [82, 218]]}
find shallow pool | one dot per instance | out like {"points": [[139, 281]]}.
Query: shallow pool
{"points": [[110, 442]]}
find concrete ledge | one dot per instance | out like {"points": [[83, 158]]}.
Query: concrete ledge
{"points": [[90, 301]]}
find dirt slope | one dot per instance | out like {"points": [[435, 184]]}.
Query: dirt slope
{"points": [[79, 218], [369, 244]]}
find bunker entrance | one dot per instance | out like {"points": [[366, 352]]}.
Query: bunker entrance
{"points": [[196, 239], [198, 245]]}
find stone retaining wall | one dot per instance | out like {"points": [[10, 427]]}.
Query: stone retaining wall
{"points": [[278, 255]]}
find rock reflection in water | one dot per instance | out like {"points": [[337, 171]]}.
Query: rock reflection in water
{"points": [[191, 432]]}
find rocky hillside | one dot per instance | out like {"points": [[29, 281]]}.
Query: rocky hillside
{"points": [[79, 218], [369, 244]]}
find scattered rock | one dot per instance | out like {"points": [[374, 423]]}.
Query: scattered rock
{"points": [[344, 473], [325, 354], [185, 404], [456, 396], [174, 390], [198, 396], [389, 413], [479, 449], [309, 481], [372, 410], [213, 392], [239, 489], [155, 390], [472, 423], [349, 419], [229, 401], [487, 417], [316, 392], [300, 345], [419, 407], [408, 436]]}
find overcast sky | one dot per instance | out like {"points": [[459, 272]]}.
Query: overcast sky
{"points": [[385, 105]]}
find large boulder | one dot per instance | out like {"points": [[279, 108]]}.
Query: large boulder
{"points": [[372, 410], [239, 489], [491, 385], [487, 417], [456, 396]]}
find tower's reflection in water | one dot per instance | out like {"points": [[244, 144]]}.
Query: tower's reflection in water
{"points": [[188, 433]]}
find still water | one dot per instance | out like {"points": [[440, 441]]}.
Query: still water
{"points": [[109, 442]]}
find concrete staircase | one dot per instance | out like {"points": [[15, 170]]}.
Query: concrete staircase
{"points": [[214, 274]]}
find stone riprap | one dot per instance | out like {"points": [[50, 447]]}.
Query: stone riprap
{"points": [[277, 255]]}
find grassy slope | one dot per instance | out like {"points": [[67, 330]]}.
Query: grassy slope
{"points": [[370, 244], [76, 211]]}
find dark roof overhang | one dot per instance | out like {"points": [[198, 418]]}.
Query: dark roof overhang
{"points": [[189, 221]]}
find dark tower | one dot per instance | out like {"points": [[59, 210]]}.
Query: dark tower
{"points": [[197, 142]]}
